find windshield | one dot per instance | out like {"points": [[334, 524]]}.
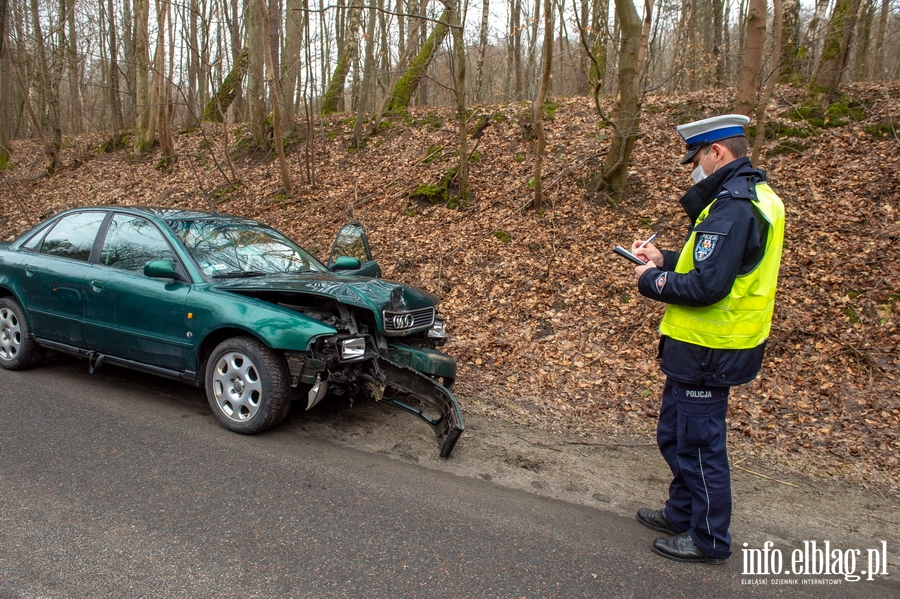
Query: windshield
{"points": [[225, 249]]}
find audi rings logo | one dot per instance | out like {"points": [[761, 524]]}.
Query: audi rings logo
{"points": [[403, 321]]}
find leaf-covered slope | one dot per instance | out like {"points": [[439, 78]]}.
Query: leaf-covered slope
{"points": [[548, 329]]}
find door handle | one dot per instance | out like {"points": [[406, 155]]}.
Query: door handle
{"points": [[97, 285], [29, 273]]}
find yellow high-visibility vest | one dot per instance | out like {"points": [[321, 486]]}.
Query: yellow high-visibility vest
{"points": [[742, 319]]}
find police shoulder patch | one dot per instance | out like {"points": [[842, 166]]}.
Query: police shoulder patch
{"points": [[706, 243], [660, 282]]}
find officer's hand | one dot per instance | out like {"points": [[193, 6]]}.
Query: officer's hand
{"points": [[649, 252], [639, 270]]}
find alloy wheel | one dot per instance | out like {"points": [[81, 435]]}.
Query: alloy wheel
{"points": [[237, 386], [10, 334]]}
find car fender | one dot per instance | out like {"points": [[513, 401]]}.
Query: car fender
{"points": [[209, 310], [9, 262]]}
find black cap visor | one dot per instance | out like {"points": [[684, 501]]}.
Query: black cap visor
{"points": [[691, 153]]}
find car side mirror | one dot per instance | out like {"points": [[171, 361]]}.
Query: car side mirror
{"points": [[346, 263], [162, 269]]}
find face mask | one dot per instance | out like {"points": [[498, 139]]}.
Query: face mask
{"points": [[698, 174]]}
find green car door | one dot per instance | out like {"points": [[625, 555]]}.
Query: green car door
{"points": [[128, 314], [54, 274]]}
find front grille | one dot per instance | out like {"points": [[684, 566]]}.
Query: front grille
{"points": [[398, 323]]}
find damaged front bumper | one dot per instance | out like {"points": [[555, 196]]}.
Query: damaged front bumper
{"points": [[415, 380]]}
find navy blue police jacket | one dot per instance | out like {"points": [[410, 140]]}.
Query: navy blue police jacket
{"points": [[737, 232]]}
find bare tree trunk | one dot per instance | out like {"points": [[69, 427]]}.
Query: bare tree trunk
{"points": [[719, 24], [51, 149], [516, 75], [401, 24], [864, 40], [769, 85], [538, 113], [47, 94], [310, 124], [748, 86], [115, 103], [482, 48], [76, 108], [193, 61], [290, 61], [5, 151], [238, 47], [257, 41], [144, 111], [627, 113], [685, 46], [813, 36], [454, 8], [129, 27], [158, 121], [600, 29], [883, 20], [368, 76], [277, 101]]}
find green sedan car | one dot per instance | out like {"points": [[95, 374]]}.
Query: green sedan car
{"points": [[228, 304]]}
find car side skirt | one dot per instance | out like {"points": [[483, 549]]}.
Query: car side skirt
{"points": [[96, 360]]}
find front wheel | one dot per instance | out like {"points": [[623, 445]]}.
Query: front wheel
{"points": [[247, 385], [17, 348]]}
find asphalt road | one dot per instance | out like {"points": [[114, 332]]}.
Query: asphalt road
{"points": [[122, 485]]}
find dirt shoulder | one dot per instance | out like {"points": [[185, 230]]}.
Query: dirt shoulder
{"points": [[621, 475]]}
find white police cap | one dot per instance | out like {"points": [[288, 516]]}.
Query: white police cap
{"points": [[702, 133]]}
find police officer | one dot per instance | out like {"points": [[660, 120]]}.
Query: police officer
{"points": [[720, 295]]}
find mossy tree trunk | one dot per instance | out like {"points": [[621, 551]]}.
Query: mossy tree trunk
{"points": [[217, 106], [791, 48], [331, 101], [835, 52], [407, 84]]}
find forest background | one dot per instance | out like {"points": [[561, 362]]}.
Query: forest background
{"points": [[495, 153]]}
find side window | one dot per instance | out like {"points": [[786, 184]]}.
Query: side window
{"points": [[132, 242], [73, 236], [34, 243]]}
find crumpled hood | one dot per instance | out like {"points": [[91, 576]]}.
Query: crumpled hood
{"points": [[363, 292]]}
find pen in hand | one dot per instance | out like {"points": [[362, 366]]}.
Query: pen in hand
{"points": [[649, 239]]}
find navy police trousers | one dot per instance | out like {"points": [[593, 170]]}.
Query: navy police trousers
{"points": [[691, 437]]}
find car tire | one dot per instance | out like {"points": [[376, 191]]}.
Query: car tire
{"points": [[18, 349], [247, 385]]}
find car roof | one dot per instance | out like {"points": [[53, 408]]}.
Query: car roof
{"points": [[169, 214]]}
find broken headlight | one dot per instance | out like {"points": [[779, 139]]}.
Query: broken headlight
{"points": [[438, 330], [353, 348]]}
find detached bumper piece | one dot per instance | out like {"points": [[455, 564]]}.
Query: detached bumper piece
{"points": [[403, 388]]}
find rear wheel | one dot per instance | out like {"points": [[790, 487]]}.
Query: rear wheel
{"points": [[17, 348], [247, 385]]}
